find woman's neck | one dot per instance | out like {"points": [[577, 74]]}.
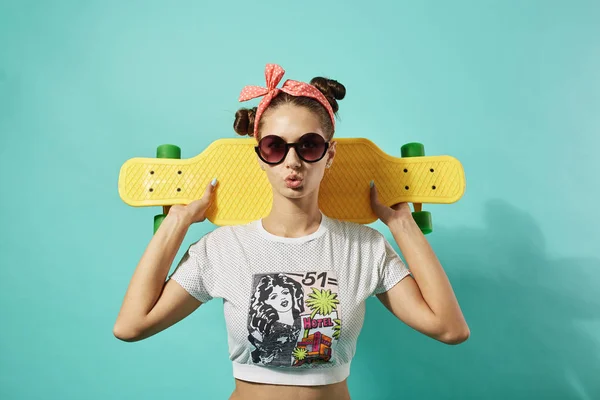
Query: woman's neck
{"points": [[293, 219]]}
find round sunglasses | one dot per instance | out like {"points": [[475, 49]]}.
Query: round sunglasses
{"points": [[311, 147]]}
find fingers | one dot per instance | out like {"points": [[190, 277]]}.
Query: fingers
{"points": [[210, 188], [375, 204], [207, 197], [378, 208]]}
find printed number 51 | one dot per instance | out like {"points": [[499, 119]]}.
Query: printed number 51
{"points": [[310, 279]]}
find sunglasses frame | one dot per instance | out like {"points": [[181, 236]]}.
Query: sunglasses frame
{"points": [[287, 149]]}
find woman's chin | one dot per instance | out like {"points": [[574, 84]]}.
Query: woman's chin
{"points": [[294, 193]]}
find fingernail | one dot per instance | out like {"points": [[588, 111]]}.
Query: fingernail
{"points": [[372, 183], [214, 181]]}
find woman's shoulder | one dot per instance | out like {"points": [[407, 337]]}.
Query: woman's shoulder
{"points": [[222, 235], [355, 230]]}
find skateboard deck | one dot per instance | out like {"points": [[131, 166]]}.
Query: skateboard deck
{"points": [[244, 193]]}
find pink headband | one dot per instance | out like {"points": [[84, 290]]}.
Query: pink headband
{"points": [[273, 74]]}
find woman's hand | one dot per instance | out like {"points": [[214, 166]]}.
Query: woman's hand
{"points": [[388, 215], [196, 210]]}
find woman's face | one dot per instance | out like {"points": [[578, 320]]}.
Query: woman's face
{"points": [[290, 123], [280, 299]]}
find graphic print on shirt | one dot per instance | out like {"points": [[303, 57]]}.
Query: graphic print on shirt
{"points": [[294, 318]]}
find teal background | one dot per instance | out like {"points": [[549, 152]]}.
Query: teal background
{"points": [[511, 88]]}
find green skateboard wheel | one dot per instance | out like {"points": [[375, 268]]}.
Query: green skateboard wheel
{"points": [[168, 151], [412, 150], [158, 219], [165, 151], [423, 220]]}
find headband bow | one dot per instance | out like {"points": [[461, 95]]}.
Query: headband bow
{"points": [[273, 75]]}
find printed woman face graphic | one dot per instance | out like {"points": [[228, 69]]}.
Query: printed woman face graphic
{"points": [[280, 299]]}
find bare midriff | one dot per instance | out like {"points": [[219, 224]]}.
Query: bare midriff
{"points": [[245, 390]]}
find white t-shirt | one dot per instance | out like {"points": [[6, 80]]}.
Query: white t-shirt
{"points": [[294, 307]]}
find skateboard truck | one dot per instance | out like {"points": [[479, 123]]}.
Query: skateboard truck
{"points": [[165, 151], [422, 218]]}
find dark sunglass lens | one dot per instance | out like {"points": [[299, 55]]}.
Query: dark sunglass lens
{"points": [[272, 148], [312, 146]]}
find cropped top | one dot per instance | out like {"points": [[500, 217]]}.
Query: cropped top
{"points": [[294, 307]]}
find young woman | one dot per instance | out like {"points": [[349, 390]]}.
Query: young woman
{"points": [[293, 283]]}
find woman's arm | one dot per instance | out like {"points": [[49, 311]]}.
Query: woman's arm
{"points": [[151, 305], [149, 302], [425, 301]]}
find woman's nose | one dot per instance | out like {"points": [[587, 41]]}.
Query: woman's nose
{"points": [[291, 159]]}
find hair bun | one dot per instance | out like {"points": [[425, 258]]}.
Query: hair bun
{"points": [[331, 89], [244, 121]]}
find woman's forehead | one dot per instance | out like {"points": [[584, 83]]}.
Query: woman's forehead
{"points": [[291, 122]]}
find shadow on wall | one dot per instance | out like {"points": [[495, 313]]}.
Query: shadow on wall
{"points": [[526, 313]]}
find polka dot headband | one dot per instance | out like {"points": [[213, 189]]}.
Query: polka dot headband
{"points": [[273, 75]]}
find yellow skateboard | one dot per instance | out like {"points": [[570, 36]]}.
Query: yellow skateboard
{"points": [[244, 192]]}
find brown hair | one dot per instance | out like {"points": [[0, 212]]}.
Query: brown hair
{"points": [[331, 89]]}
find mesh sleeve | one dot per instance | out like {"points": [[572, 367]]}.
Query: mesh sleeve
{"points": [[391, 269], [194, 272]]}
